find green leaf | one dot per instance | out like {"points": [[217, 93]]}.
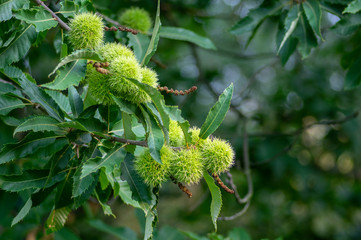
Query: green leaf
{"points": [[186, 35], [122, 189], [314, 15], [238, 234], [29, 179], [353, 7], [18, 47], [112, 158], [353, 76], [8, 104], [68, 8], [38, 124], [216, 203], [176, 115], [39, 17], [121, 233], [169, 233], [27, 146], [13, 73], [152, 47], [140, 190], [256, 16], [59, 160], [70, 75], [91, 125], [128, 132], [193, 236], [38, 95], [6, 7], [80, 185], [157, 99], [150, 219], [65, 234], [76, 103], [8, 88], [348, 25], [291, 21], [57, 219], [139, 42], [23, 212], [306, 37], [153, 110], [83, 54], [106, 208], [288, 47], [125, 106], [155, 138], [217, 113], [60, 99]]}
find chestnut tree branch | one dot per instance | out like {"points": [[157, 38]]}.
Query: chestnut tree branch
{"points": [[62, 24], [247, 171]]}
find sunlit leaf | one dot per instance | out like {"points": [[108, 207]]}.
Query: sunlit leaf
{"points": [[83, 54], [70, 75], [57, 219], [140, 43], [291, 21], [8, 104], [112, 158], [38, 124], [216, 203], [217, 113], [19, 46], [353, 7], [23, 212], [186, 35], [6, 7], [155, 138], [39, 17], [152, 47]]}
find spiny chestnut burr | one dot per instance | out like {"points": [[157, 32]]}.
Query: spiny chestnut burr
{"points": [[86, 31]]}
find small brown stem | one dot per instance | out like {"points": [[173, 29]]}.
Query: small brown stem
{"points": [[177, 92], [181, 187], [61, 23], [221, 184], [119, 26]]}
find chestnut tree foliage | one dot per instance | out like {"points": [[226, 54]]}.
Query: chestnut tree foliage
{"points": [[85, 121]]}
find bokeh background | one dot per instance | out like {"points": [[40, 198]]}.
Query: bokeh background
{"points": [[306, 183]]}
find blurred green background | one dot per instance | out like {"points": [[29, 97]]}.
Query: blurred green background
{"points": [[305, 186]]}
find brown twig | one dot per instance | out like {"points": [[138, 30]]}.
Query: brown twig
{"points": [[178, 92], [247, 171], [181, 187], [119, 26], [160, 64], [221, 184], [62, 24]]}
